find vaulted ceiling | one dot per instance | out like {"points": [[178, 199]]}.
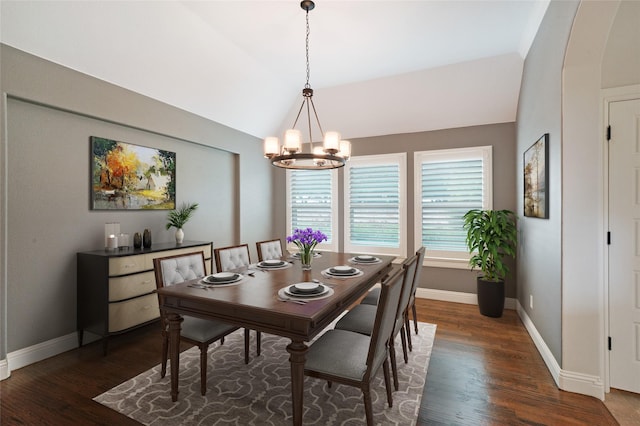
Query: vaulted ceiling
{"points": [[377, 67]]}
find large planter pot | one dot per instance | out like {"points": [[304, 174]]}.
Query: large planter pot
{"points": [[490, 297]]}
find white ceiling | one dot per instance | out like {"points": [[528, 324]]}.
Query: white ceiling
{"points": [[377, 67]]}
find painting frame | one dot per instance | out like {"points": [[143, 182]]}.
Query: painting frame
{"points": [[127, 176], [536, 179]]}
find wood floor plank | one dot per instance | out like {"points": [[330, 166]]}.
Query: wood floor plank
{"points": [[483, 371]]}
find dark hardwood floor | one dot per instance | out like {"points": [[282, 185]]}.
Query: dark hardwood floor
{"points": [[483, 371]]}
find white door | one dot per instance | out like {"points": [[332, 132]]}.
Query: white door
{"points": [[624, 250]]}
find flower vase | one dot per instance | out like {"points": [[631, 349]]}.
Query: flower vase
{"points": [[179, 236], [305, 260]]}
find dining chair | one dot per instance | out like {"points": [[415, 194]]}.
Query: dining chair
{"points": [[372, 297], [352, 358], [361, 318], [233, 258], [270, 249], [412, 300], [175, 269]]}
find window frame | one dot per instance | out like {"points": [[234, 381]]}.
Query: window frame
{"points": [[324, 246], [442, 258], [399, 159]]}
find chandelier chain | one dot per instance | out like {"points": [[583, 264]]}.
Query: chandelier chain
{"points": [[307, 86]]}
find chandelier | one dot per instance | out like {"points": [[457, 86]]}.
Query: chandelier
{"points": [[330, 154]]}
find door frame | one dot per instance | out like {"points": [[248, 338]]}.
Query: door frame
{"points": [[616, 94]]}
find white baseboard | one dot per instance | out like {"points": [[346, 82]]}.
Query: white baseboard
{"points": [[44, 350], [4, 369], [457, 297], [543, 349], [566, 380], [569, 381]]}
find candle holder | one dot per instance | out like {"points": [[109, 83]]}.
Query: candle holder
{"points": [[111, 229]]}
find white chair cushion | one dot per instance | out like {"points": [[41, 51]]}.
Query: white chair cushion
{"points": [[233, 258], [180, 269], [271, 250]]}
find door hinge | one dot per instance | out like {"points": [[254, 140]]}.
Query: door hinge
{"points": [[608, 133], [609, 342], [609, 238]]}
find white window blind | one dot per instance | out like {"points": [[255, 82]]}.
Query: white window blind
{"points": [[375, 204], [448, 184], [311, 203]]}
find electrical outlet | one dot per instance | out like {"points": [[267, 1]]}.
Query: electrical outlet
{"points": [[531, 301]]}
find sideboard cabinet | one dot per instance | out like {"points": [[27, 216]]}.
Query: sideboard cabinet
{"points": [[116, 289]]}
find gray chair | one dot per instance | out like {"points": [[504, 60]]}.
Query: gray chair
{"points": [[172, 270], [233, 258], [352, 358], [361, 318], [270, 249], [412, 300]]}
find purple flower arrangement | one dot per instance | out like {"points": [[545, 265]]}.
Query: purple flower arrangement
{"points": [[306, 240]]}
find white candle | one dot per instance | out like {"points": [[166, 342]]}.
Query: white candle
{"points": [[112, 242]]}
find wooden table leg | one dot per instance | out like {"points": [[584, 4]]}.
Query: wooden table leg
{"points": [[297, 350], [174, 321]]}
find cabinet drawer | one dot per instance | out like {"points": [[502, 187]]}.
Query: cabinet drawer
{"points": [[127, 265], [150, 256], [129, 286], [129, 313]]}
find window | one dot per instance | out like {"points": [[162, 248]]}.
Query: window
{"points": [[312, 203], [375, 204], [448, 183]]}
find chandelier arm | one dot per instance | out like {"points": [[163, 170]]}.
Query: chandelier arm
{"points": [[309, 123], [299, 111], [317, 119]]}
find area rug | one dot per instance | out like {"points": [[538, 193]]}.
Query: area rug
{"points": [[260, 393]]}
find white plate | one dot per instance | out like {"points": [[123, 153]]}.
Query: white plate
{"points": [[231, 278], [306, 287], [344, 269], [272, 262], [223, 276], [324, 291], [366, 258]]}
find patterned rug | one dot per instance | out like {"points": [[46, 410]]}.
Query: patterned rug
{"points": [[260, 393]]}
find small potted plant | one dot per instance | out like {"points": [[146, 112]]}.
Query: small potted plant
{"points": [[177, 218], [492, 236]]}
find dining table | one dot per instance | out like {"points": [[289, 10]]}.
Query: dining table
{"points": [[256, 301]]}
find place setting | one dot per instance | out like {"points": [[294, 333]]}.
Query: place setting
{"points": [[304, 291], [271, 264], [342, 272], [365, 259], [221, 279]]}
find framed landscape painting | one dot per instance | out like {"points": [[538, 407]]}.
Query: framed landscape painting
{"points": [[131, 177], [536, 179]]}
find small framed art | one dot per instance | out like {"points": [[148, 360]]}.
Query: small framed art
{"points": [[536, 179]]}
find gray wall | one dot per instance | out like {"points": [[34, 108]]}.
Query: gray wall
{"points": [[500, 136], [539, 112], [49, 115]]}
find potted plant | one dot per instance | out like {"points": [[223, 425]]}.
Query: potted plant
{"points": [[177, 218], [492, 236]]}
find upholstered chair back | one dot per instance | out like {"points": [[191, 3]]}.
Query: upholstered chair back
{"points": [[385, 320], [268, 250], [230, 258], [179, 269]]}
